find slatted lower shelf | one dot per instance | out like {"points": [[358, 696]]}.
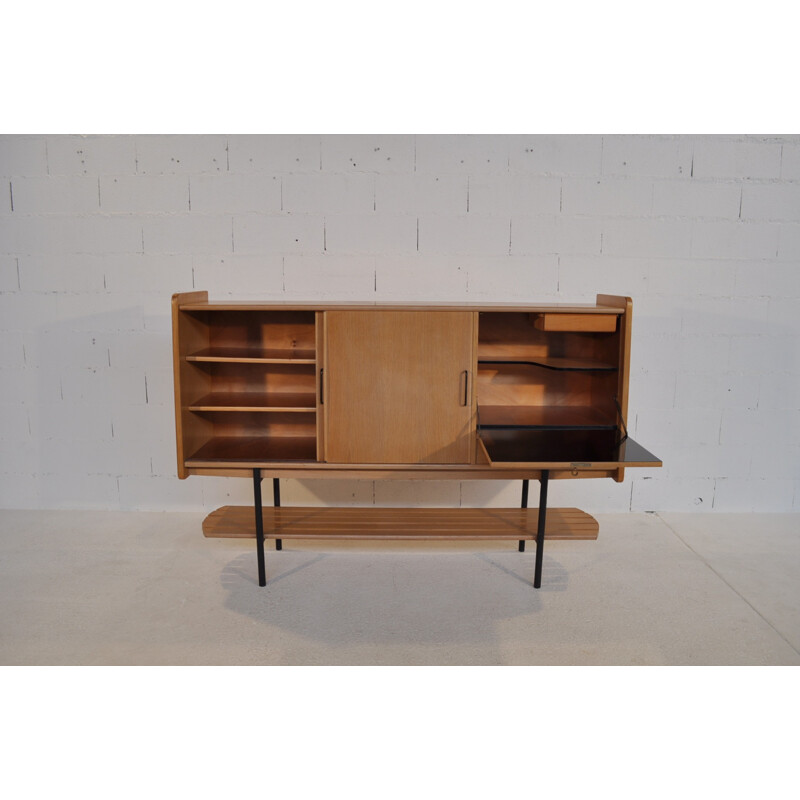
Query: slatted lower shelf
{"points": [[399, 523]]}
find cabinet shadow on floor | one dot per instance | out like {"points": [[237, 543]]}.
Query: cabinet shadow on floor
{"points": [[402, 596]]}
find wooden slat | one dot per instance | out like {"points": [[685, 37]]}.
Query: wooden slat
{"points": [[400, 523]]}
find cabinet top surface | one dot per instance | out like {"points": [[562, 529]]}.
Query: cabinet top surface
{"points": [[247, 305]]}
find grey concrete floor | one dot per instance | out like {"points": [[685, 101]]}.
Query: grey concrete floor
{"points": [[90, 587]]}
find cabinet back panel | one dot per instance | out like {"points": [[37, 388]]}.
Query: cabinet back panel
{"points": [[521, 384], [262, 378], [513, 335], [263, 330], [243, 423]]}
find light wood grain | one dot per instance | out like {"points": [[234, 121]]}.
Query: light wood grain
{"points": [[245, 355], [232, 360], [590, 323], [188, 333], [289, 402], [232, 449], [394, 389], [400, 523], [318, 381], [538, 308], [291, 332], [624, 345]]}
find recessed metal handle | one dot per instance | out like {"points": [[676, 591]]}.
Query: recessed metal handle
{"points": [[321, 387], [465, 395]]}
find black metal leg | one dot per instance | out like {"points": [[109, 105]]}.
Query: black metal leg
{"points": [[524, 505], [262, 574], [276, 501], [537, 574]]}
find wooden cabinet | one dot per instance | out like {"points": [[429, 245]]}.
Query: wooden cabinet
{"points": [[497, 391]]}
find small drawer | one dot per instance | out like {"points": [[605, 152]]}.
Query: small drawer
{"points": [[589, 323]]}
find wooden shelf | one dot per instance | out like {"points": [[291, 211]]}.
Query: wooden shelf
{"points": [[548, 417], [255, 448], [250, 401], [244, 355], [400, 523]]}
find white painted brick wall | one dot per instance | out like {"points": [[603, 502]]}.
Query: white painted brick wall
{"points": [[68, 273], [543, 235], [724, 159], [184, 233], [367, 153], [58, 234], [185, 155], [771, 201], [789, 243], [790, 162], [9, 274], [732, 240], [23, 155], [609, 197], [697, 199], [65, 194], [418, 278], [510, 193], [507, 278], [322, 193], [260, 275], [556, 155], [257, 234], [648, 238], [143, 194], [467, 234], [330, 276], [91, 155], [126, 276], [389, 234], [273, 154], [97, 232], [463, 154], [235, 192], [418, 193]]}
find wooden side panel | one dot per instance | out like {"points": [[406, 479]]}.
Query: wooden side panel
{"points": [[399, 387], [188, 335], [623, 381], [320, 376]]}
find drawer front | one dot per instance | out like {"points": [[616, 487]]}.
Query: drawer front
{"points": [[588, 323]]}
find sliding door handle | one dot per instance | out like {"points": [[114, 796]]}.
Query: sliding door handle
{"points": [[465, 387], [321, 387]]}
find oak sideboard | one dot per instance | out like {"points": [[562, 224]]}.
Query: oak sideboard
{"points": [[402, 391]]}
